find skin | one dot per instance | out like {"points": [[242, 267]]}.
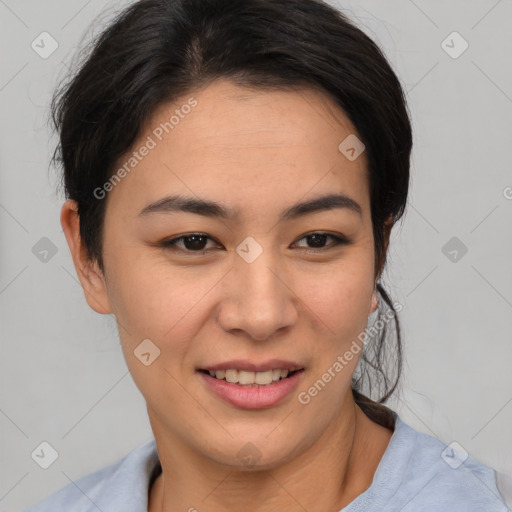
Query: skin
{"points": [[259, 152]]}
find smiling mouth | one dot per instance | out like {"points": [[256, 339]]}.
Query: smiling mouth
{"points": [[251, 379]]}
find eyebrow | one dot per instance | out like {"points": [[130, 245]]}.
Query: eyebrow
{"points": [[207, 208]]}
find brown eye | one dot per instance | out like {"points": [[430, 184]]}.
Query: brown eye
{"points": [[318, 240], [193, 243]]}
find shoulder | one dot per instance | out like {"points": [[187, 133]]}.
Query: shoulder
{"points": [[430, 475], [120, 486], [419, 473]]}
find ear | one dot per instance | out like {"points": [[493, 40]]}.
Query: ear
{"points": [[375, 301], [388, 226], [90, 276]]}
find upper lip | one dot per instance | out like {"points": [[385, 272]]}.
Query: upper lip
{"points": [[251, 366]]}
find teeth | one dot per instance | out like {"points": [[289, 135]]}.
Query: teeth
{"points": [[232, 376], [263, 377], [245, 378]]}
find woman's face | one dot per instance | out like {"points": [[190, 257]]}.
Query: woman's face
{"points": [[255, 291]]}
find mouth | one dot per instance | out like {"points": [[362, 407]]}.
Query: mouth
{"points": [[252, 379], [245, 388]]}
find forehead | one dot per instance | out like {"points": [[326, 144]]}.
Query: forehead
{"points": [[239, 145]]}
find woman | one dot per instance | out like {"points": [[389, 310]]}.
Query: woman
{"points": [[233, 171]]}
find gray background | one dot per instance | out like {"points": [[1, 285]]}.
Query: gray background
{"points": [[63, 377]]}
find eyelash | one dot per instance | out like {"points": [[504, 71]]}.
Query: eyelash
{"points": [[172, 243]]}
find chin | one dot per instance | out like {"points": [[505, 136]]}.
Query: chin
{"points": [[257, 452]]}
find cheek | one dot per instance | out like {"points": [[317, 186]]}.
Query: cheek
{"points": [[153, 303], [156, 302], [338, 297]]}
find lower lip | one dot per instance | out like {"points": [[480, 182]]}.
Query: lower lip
{"points": [[256, 397]]}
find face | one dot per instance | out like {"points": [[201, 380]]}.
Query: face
{"points": [[262, 287]]}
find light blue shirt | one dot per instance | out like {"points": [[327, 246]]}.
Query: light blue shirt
{"points": [[417, 473]]}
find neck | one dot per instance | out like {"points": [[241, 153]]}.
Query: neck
{"points": [[341, 462]]}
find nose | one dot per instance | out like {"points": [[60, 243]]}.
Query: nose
{"points": [[259, 300]]}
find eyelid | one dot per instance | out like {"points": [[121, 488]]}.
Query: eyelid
{"points": [[172, 242], [339, 240]]}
